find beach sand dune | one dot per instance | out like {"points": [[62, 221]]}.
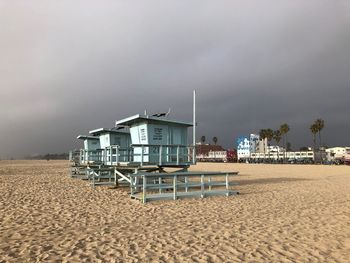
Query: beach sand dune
{"points": [[285, 213]]}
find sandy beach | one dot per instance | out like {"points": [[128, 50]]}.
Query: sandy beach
{"points": [[285, 213]]}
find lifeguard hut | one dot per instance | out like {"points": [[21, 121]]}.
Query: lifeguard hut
{"points": [[80, 159], [158, 141], [112, 141], [91, 145], [108, 137]]}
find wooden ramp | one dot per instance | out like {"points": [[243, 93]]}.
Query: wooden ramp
{"points": [[161, 186]]}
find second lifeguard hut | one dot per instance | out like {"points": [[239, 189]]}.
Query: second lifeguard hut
{"points": [[109, 140]]}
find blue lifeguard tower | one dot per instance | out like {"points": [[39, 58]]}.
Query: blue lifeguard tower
{"points": [[139, 151], [158, 141]]}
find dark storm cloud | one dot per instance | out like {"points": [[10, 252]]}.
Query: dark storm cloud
{"points": [[70, 66]]}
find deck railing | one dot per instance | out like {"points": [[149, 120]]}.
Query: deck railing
{"points": [[91, 156], [156, 186], [141, 154], [148, 154], [162, 154]]}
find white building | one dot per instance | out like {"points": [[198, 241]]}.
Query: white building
{"points": [[251, 147], [274, 148], [337, 153], [243, 147], [281, 155], [246, 145]]}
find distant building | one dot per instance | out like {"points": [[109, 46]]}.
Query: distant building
{"points": [[255, 143], [335, 153], [243, 147], [204, 149], [252, 148], [207, 152], [246, 145], [274, 148]]}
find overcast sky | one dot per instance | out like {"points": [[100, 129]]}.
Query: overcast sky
{"points": [[67, 67]]}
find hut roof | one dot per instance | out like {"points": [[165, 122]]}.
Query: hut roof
{"points": [[99, 131], [141, 118], [84, 137]]}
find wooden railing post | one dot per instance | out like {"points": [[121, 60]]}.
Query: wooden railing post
{"points": [[178, 155], [117, 153], [144, 188], [227, 186], [186, 184], [160, 184], [202, 186], [175, 187]]}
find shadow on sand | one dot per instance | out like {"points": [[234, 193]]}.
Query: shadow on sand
{"points": [[271, 181]]}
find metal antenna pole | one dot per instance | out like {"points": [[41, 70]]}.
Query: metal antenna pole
{"points": [[194, 127]]}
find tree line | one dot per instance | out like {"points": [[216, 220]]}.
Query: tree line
{"points": [[282, 134], [203, 139], [277, 135]]}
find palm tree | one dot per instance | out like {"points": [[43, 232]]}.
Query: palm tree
{"points": [[215, 140], [314, 130], [277, 136], [269, 137], [284, 128], [262, 135], [203, 139], [319, 123]]}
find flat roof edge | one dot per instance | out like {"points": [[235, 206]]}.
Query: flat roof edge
{"points": [[134, 118], [84, 137], [104, 130]]}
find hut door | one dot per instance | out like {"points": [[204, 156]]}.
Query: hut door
{"points": [[176, 140]]}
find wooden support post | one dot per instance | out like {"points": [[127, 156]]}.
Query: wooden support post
{"points": [[202, 186], [115, 177], [136, 179], [209, 181], [227, 186], [98, 174], [131, 185], [186, 184], [175, 187], [160, 184], [144, 188], [93, 180]]}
